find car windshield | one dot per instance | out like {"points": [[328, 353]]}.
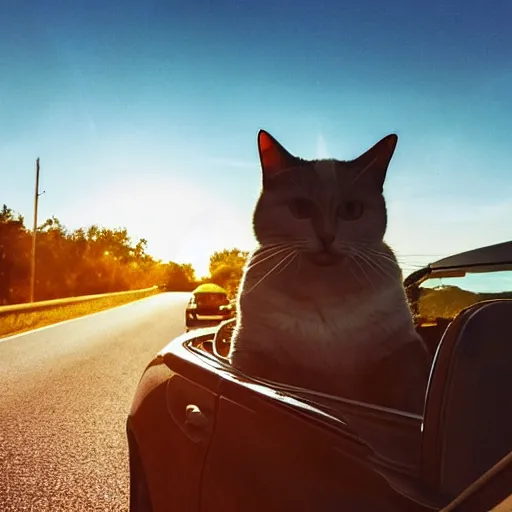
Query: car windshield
{"points": [[211, 299], [445, 297]]}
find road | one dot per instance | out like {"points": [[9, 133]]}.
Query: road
{"points": [[65, 392]]}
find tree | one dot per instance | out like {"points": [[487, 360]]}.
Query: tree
{"points": [[226, 268], [85, 261], [94, 259], [13, 248], [179, 277]]}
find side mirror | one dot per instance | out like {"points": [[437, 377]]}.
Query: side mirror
{"points": [[222, 340]]}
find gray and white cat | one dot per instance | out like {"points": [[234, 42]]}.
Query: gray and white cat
{"points": [[321, 304]]}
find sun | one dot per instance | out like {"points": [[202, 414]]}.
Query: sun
{"points": [[181, 221]]}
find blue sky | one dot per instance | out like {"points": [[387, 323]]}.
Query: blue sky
{"points": [[145, 113]]}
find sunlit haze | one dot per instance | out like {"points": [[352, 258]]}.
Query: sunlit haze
{"points": [[145, 114]]}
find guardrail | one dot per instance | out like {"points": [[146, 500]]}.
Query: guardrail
{"points": [[49, 304]]}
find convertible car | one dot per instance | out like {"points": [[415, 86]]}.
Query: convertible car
{"points": [[203, 437]]}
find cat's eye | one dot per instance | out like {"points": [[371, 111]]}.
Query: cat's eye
{"points": [[301, 208], [350, 210]]}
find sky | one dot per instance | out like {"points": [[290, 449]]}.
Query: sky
{"points": [[477, 282], [144, 114]]}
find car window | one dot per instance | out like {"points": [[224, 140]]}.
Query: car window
{"points": [[445, 297], [211, 299]]}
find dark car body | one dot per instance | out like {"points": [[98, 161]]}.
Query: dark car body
{"points": [[208, 306], [203, 437]]}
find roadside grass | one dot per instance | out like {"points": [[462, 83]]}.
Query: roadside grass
{"points": [[16, 323]]}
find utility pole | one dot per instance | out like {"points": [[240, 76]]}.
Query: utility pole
{"points": [[34, 232]]}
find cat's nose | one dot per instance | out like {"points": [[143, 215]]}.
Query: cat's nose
{"points": [[326, 240]]}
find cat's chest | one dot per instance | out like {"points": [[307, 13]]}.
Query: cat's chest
{"points": [[322, 325], [339, 320], [322, 319]]}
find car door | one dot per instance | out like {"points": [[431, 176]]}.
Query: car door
{"points": [[172, 422], [271, 453]]}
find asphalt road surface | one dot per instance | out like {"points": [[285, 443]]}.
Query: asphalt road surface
{"points": [[65, 392]]}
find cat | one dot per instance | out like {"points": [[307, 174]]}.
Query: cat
{"points": [[321, 303]]}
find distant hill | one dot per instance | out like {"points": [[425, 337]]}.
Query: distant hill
{"points": [[448, 301], [445, 302]]}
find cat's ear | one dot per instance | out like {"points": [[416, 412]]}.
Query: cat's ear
{"points": [[273, 157], [373, 164]]}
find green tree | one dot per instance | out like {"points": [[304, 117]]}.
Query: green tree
{"points": [[226, 268]]}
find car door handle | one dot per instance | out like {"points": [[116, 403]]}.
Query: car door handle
{"points": [[191, 407], [194, 417]]}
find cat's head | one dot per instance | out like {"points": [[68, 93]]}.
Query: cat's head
{"points": [[324, 208]]}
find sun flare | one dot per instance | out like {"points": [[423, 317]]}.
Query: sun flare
{"points": [[181, 221]]}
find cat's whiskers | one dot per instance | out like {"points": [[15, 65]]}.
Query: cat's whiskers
{"points": [[299, 259], [269, 246], [287, 258], [375, 264], [375, 254], [378, 253], [294, 255], [355, 274], [258, 261], [390, 268], [382, 257], [355, 258]]}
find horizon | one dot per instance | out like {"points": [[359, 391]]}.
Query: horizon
{"points": [[145, 115]]}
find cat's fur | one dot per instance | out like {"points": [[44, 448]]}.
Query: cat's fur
{"points": [[321, 304]]}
